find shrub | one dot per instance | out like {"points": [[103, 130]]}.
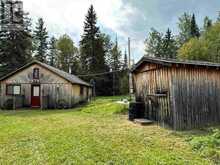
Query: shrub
{"points": [[208, 146], [8, 104], [62, 104]]}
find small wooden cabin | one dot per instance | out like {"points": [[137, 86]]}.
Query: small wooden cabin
{"points": [[179, 94], [39, 85]]}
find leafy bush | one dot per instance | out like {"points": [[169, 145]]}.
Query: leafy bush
{"points": [[8, 104], [62, 104], [208, 146]]}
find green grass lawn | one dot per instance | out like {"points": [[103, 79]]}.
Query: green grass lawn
{"points": [[94, 134]]}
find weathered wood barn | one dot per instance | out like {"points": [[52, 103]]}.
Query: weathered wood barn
{"points": [[178, 94], [39, 85]]}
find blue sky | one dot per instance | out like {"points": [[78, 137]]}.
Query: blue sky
{"points": [[126, 18]]}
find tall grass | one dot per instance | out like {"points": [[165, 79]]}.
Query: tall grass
{"points": [[208, 146]]}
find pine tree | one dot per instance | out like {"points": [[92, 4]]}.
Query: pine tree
{"points": [[205, 48], [169, 45], [93, 52], [53, 52], [194, 27], [15, 41], [90, 43], [40, 41], [116, 56], [207, 23], [125, 66], [2, 12], [116, 66], [108, 44], [124, 78]]}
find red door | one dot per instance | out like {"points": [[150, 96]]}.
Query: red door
{"points": [[35, 96]]}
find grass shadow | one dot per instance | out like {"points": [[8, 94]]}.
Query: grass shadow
{"points": [[204, 131], [41, 112]]}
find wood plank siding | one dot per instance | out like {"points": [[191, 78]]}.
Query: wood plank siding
{"points": [[53, 88], [196, 94], [150, 85], [181, 96]]}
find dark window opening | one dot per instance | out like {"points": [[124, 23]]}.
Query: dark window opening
{"points": [[81, 90], [13, 90], [161, 91], [87, 92], [36, 74]]}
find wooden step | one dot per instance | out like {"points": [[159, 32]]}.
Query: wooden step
{"points": [[143, 121]]}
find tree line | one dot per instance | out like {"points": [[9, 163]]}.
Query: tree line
{"points": [[96, 53], [191, 43]]}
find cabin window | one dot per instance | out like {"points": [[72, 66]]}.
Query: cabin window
{"points": [[81, 90], [87, 92], [36, 73], [13, 90]]}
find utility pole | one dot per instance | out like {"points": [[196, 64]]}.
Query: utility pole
{"points": [[129, 66], [129, 53]]}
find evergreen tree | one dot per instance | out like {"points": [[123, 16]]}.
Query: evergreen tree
{"points": [[169, 45], [40, 41], [154, 44], [124, 77], [184, 25], [15, 42], [53, 52], [116, 56], [194, 30], [116, 66], [207, 23], [205, 48], [91, 45], [108, 45], [93, 53], [125, 66]]}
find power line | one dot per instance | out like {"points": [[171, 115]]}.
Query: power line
{"points": [[100, 74]]}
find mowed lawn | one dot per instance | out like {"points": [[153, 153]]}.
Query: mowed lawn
{"points": [[97, 133]]}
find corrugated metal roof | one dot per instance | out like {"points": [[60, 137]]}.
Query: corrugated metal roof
{"points": [[69, 77]]}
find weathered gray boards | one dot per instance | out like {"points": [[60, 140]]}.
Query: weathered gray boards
{"points": [[179, 94], [39, 85]]}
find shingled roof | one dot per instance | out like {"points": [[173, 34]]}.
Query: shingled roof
{"points": [[69, 77], [169, 62]]}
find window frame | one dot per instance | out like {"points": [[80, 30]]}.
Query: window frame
{"points": [[12, 85], [36, 73], [81, 90]]}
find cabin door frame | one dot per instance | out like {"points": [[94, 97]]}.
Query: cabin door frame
{"points": [[35, 96], [152, 108]]}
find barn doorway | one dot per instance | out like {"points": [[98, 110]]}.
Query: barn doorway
{"points": [[152, 110], [35, 96]]}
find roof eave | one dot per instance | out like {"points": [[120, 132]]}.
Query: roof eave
{"points": [[39, 63], [17, 70], [169, 63]]}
